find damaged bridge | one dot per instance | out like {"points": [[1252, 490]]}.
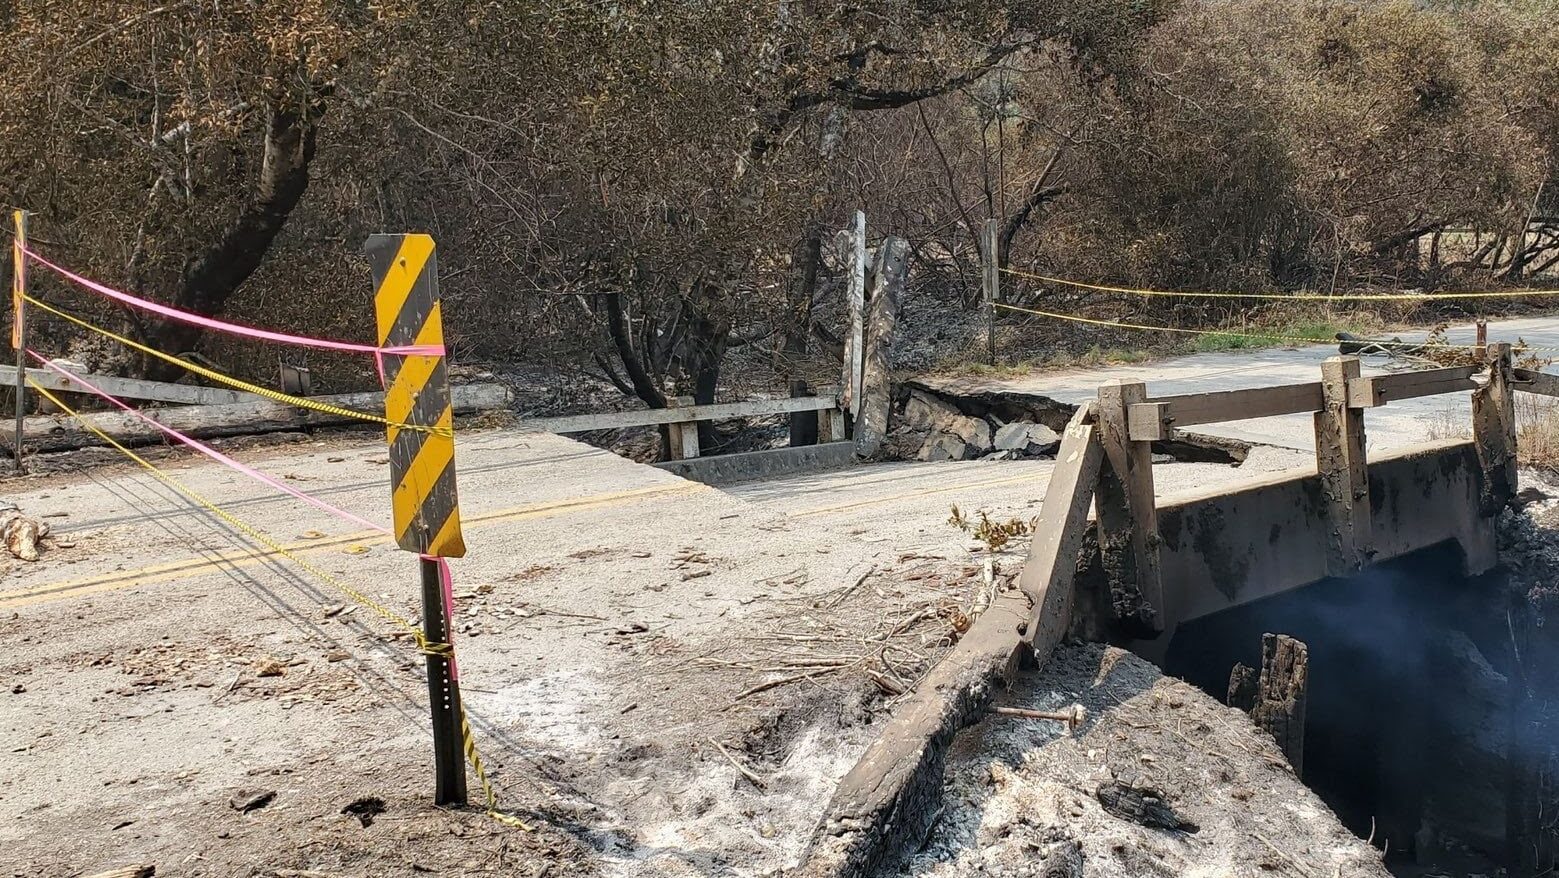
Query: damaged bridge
{"points": [[1109, 563]]}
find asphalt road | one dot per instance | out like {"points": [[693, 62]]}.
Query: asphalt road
{"points": [[1392, 426], [596, 604]]}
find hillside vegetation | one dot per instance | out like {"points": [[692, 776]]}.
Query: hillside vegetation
{"points": [[641, 188]]}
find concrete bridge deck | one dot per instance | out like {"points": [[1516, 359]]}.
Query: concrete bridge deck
{"points": [[1401, 424]]}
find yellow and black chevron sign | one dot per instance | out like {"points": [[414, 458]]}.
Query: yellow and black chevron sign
{"points": [[416, 398]]}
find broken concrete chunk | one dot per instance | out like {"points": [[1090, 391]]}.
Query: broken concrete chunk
{"points": [[1026, 438], [975, 433], [925, 412], [944, 446]]}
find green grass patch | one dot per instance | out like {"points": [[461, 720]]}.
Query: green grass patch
{"points": [[1275, 335]]}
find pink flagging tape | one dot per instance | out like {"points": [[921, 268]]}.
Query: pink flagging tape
{"points": [[421, 350], [216, 455]]}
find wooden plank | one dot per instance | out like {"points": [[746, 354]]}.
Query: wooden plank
{"points": [[653, 417], [1494, 432], [1533, 381], [1156, 418], [61, 432], [1048, 575], [132, 388], [1128, 521], [1377, 390], [1340, 461], [871, 427], [889, 800]]}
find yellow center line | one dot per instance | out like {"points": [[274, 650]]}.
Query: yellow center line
{"points": [[248, 558], [873, 501]]}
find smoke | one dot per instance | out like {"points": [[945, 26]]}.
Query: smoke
{"points": [[1408, 714]]}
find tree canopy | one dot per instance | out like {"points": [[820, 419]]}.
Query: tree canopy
{"points": [[638, 188]]}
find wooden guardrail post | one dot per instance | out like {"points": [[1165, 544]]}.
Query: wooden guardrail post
{"points": [[830, 421], [1340, 462], [1128, 520], [682, 435], [1494, 431], [1048, 575], [803, 425]]}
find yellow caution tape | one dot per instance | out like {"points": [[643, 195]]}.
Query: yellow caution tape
{"points": [[1297, 339], [274, 395], [426, 646], [1301, 297]]}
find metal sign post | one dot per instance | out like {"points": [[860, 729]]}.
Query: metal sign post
{"points": [[19, 327], [422, 470], [992, 286]]}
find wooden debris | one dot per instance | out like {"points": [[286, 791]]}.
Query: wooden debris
{"points": [[756, 779], [1066, 861], [145, 870], [1242, 688], [245, 801], [1073, 716], [1281, 695], [1141, 804]]}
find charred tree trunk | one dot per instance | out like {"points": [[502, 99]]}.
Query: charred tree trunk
{"points": [[708, 339], [212, 276], [1243, 687], [620, 328], [803, 294], [1275, 697]]}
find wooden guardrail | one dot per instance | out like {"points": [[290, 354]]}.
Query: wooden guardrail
{"points": [[220, 411], [1129, 421], [132, 388], [683, 417]]}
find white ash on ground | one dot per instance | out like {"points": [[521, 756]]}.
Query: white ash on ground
{"points": [[1160, 780]]}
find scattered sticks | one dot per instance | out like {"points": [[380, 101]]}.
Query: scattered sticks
{"points": [[757, 780]]}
